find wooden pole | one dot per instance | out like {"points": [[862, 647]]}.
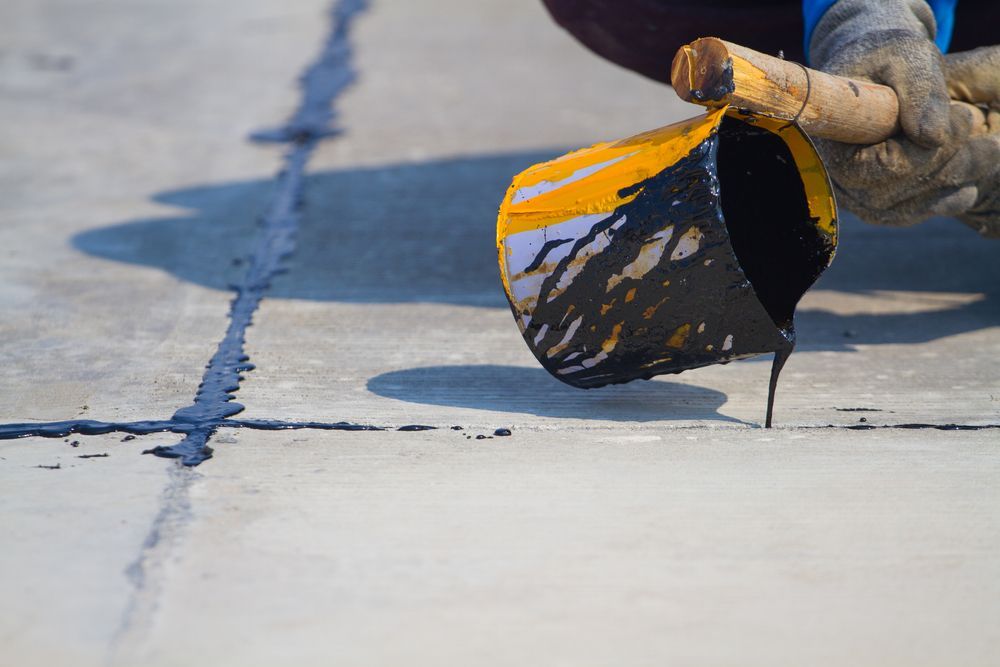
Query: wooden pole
{"points": [[716, 73]]}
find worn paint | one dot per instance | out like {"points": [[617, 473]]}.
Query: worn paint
{"points": [[701, 250], [567, 195]]}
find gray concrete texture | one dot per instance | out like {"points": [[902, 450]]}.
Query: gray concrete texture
{"points": [[651, 523]]}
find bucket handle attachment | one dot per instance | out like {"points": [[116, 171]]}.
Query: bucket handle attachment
{"points": [[715, 73]]}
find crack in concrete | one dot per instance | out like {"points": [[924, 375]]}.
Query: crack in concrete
{"points": [[63, 429], [330, 74], [325, 79], [145, 572]]}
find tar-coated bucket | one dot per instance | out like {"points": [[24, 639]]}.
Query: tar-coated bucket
{"points": [[674, 249]]}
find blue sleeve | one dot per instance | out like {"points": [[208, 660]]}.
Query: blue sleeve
{"points": [[944, 14]]}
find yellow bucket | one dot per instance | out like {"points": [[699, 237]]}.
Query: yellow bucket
{"points": [[677, 248]]}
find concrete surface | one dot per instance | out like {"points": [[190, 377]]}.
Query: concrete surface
{"points": [[645, 524]]}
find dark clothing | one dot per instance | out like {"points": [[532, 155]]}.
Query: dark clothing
{"points": [[644, 35]]}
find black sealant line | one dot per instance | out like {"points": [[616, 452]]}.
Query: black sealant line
{"points": [[938, 427], [64, 429]]}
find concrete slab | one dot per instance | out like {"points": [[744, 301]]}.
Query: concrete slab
{"points": [[394, 302], [639, 524], [919, 350], [81, 520], [570, 547]]}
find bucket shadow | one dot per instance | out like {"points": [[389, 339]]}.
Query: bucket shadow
{"points": [[533, 391], [937, 256], [425, 232]]}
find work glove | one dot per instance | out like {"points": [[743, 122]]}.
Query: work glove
{"points": [[974, 77], [946, 161]]}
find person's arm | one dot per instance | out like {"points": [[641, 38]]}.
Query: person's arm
{"points": [[944, 17], [945, 161]]}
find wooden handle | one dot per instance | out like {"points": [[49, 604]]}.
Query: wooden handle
{"points": [[714, 73]]}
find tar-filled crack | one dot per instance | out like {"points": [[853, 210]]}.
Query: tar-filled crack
{"points": [[321, 84], [213, 404], [92, 427], [937, 427]]}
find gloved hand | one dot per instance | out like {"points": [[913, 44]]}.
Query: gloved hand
{"points": [[944, 162], [974, 76]]}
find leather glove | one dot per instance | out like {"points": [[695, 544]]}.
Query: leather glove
{"points": [[945, 162]]}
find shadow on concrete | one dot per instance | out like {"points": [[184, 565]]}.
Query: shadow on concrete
{"points": [[937, 256], [533, 391], [397, 234], [425, 232]]}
